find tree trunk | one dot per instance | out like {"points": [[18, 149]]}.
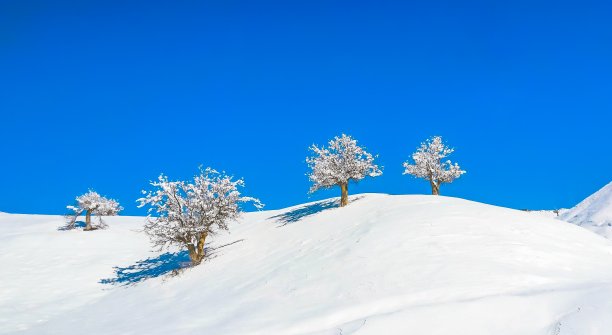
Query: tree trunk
{"points": [[435, 188], [72, 219], [192, 253], [88, 220], [197, 253], [344, 197]]}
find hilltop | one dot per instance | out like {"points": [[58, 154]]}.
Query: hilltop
{"points": [[381, 265]]}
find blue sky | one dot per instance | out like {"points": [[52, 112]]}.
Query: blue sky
{"points": [[108, 94]]}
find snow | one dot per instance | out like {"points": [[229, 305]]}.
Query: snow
{"points": [[542, 213], [381, 265], [547, 213], [593, 213]]}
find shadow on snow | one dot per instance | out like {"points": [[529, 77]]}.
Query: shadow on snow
{"points": [[304, 211], [149, 268], [166, 263], [77, 224]]}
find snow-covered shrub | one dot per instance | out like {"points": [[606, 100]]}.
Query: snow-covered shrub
{"points": [[339, 163], [188, 212], [91, 203], [428, 164]]}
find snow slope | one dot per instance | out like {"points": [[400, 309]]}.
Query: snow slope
{"points": [[547, 213], [382, 265], [593, 213]]}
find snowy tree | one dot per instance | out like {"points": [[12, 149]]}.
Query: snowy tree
{"points": [[429, 164], [91, 203], [189, 212], [338, 164]]}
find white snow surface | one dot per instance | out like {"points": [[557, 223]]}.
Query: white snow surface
{"points": [[593, 213], [381, 265], [546, 213]]}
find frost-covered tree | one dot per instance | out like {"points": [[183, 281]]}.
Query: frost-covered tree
{"points": [[91, 203], [429, 164], [339, 163], [188, 212]]}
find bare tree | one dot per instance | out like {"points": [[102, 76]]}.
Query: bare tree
{"points": [[91, 203], [189, 212], [338, 164], [428, 164]]}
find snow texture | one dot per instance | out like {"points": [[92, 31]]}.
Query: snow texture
{"points": [[381, 265], [593, 213]]}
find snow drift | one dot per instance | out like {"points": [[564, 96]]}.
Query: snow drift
{"points": [[593, 213], [381, 265]]}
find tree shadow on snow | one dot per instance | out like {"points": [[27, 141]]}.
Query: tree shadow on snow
{"points": [[165, 264], [149, 268], [77, 224], [308, 210]]}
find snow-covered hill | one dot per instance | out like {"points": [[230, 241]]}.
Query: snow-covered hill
{"points": [[382, 265], [547, 213], [593, 213]]}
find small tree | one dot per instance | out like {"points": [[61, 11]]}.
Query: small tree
{"points": [[338, 164], [91, 203], [189, 212], [428, 164]]}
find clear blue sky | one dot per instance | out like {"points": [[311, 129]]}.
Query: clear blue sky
{"points": [[108, 94]]}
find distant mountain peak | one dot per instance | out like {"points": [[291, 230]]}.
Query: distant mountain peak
{"points": [[594, 212]]}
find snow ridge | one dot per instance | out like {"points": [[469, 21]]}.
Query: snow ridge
{"points": [[594, 212]]}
